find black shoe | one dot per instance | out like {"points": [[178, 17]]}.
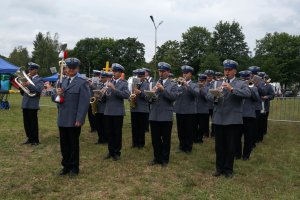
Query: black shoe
{"points": [[108, 156], [64, 171], [238, 157], [217, 173], [246, 158], [35, 144], [74, 172], [228, 175], [164, 164], [26, 142], [153, 162], [188, 151], [116, 157]]}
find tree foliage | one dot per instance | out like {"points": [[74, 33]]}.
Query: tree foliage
{"points": [[195, 46], [94, 52], [170, 52], [278, 54], [45, 52], [229, 43], [19, 56]]}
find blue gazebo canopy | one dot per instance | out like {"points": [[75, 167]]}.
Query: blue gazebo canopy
{"points": [[7, 68]]}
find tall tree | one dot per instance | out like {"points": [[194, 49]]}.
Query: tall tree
{"points": [[211, 61], [228, 42], [195, 45], [93, 53], [19, 56], [130, 53], [170, 52], [278, 54], [45, 52]]}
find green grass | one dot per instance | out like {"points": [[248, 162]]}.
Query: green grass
{"points": [[31, 172]]}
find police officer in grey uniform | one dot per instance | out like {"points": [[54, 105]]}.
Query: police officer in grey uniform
{"points": [[140, 113], [71, 115], [210, 84], [115, 111], [186, 108], [248, 128], [228, 118], [30, 105], [161, 115], [202, 117]]}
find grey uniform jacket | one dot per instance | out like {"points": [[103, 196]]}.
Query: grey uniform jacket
{"points": [[186, 99], [162, 108], [115, 99], [142, 103], [202, 102], [33, 102], [76, 102], [267, 90], [229, 109], [249, 103]]}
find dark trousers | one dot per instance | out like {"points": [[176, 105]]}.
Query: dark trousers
{"points": [[114, 132], [265, 123], [161, 140], [201, 126], [31, 125], [185, 130], [139, 123], [101, 128], [69, 146], [262, 124], [212, 132], [225, 138], [256, 128], [248, 131], [92, 119]]}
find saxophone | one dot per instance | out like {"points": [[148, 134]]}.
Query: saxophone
{"points": [[132, 98]]}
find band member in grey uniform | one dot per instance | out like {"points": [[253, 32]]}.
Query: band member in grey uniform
{"points": [[140, 112], [266, 94], [30, 105], [258, 105], [115, 111], [100, 117], [161, 115], [93, 82], [248, 128], [202, 117], [210, 84], [185, 108], [71, 115], [228, 118]]}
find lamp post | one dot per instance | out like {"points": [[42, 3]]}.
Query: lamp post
{"points": [[155, 27]]}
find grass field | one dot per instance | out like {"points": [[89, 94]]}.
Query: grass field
{"points": [[26, 172]]}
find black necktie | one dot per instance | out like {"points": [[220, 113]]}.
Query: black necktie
{"points": [[69, 80], [114, 82]]}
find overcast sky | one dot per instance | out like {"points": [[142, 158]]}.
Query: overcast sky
{"points": [[73, 20]]}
